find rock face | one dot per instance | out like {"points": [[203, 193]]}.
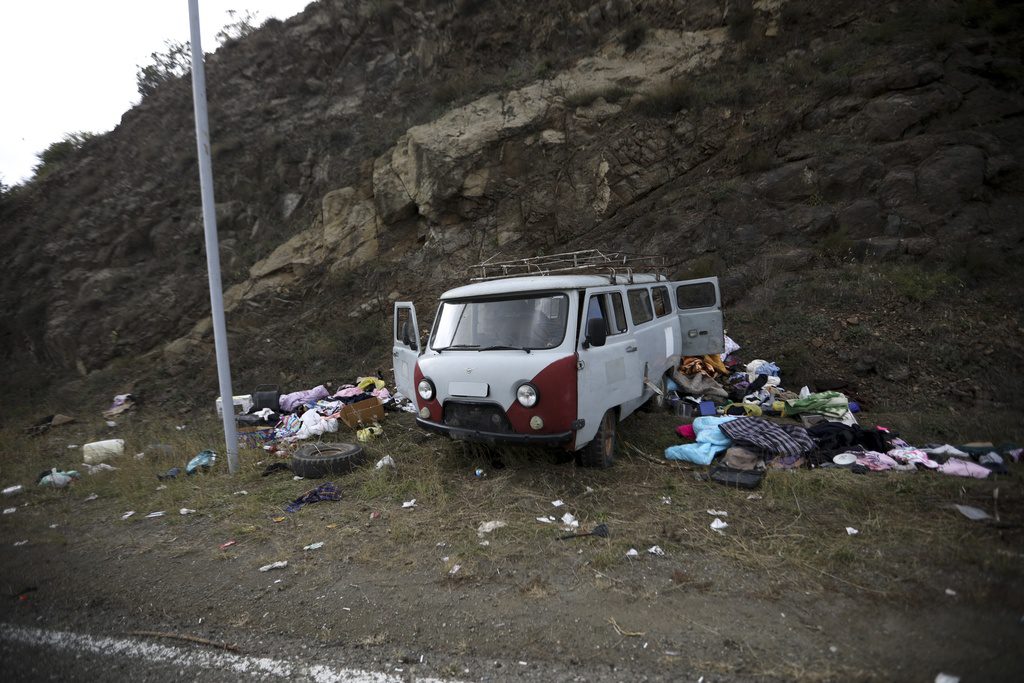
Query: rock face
{"points": [[425, 136]]}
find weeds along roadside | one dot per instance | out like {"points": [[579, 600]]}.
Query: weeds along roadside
{"points": [[793, 527]]}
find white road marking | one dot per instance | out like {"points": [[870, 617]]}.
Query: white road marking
{"points": [[154, 653]]}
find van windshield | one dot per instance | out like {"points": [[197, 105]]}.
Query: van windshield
{"points": [[536, 322]]}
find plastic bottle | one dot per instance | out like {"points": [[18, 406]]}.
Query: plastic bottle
{"points": [[101, 451]]}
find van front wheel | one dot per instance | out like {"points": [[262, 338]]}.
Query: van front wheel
{"points": [[601, 451]]}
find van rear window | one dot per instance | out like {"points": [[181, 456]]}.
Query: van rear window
{"points": [[697, 295], [640, 306]]}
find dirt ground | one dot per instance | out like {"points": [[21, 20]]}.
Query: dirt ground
{"points": [[783, 593]]}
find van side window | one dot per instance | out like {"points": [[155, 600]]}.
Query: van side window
{"points": [[614, 318], [662, 305], [402, 319], [596, 311], [698, 295], [640, 306], [620, 313]]}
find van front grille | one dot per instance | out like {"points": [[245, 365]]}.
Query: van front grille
{"points": [[484, 417]]}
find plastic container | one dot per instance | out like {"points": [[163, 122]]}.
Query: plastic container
{"points": [[101, 451], [244, 402]]}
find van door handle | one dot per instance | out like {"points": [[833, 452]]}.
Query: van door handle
{"points": [[630, 349]]}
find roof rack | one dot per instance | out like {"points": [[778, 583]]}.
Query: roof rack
{"points": [[588, 261]]}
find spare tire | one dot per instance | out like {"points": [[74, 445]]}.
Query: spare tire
{"points": [[316, 460]]}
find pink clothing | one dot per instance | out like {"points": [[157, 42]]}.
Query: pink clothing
{"points": [[686, 431], [963, 468], [345, 392], [876, 461], [913, 456]]}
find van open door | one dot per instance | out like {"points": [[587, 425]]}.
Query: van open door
{"points": [[406, 348], [699, 303]]}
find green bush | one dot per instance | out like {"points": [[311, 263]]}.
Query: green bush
{"points": [[58, 152], [173, 63], [836, 245], [633, 36], [670, 98], [740, 19], [917, 284], [240, 26]]}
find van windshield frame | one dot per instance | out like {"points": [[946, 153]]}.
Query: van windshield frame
{"points": [[532, 322]]}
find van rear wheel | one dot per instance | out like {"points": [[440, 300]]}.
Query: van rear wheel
{"points": [[600, 452]]}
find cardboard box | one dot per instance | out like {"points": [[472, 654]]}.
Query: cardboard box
{"points": [[362, 413]]}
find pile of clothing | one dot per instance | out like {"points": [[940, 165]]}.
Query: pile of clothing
{"points": [[313, 412], [828, 434]]}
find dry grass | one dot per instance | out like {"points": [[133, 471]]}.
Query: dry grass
{"points": [[795, 530]]}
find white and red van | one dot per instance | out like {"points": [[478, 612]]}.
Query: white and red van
{"points": [[552, 359]]}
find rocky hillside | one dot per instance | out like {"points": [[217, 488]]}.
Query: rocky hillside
{"points": [[851, 170]]}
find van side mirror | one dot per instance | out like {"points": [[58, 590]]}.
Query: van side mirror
{"points": [[597, 333], [411, 343]]}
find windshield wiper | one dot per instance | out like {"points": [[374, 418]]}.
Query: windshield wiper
{"points": [[505, 348], [458, 346]]}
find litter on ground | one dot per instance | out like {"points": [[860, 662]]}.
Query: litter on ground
{"points": [[274, 565], [488, 527]]}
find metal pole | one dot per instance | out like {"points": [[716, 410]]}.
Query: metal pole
{"points": [[220, 332]]}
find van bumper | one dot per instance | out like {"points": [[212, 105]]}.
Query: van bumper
{"points": [[495, 437]]}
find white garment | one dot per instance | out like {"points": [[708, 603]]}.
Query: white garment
{"points": [[313, 424]]}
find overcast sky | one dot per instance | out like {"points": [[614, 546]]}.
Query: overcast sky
{"points": [[70, 65]]}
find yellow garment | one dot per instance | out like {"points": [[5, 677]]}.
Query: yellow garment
{"points": [[704, 365], [365, 383], [369, 432]]}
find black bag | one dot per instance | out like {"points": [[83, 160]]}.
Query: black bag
{"points": [[266, 396], [743, 479]]}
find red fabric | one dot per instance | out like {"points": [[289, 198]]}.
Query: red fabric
{"points": [[686, 431]]}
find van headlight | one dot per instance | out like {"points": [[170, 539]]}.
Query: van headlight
{"points": [[526, 394], [425, 389]]}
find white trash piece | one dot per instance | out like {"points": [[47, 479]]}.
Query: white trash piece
{"points": [[244, 402], [656, 550], [314, 546], [386, 461], [274, 565], [972, 513], [718, 525], [851, 531], [100, 451], [488, 527], [569, 521], [12, 490], [632, 552]]}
